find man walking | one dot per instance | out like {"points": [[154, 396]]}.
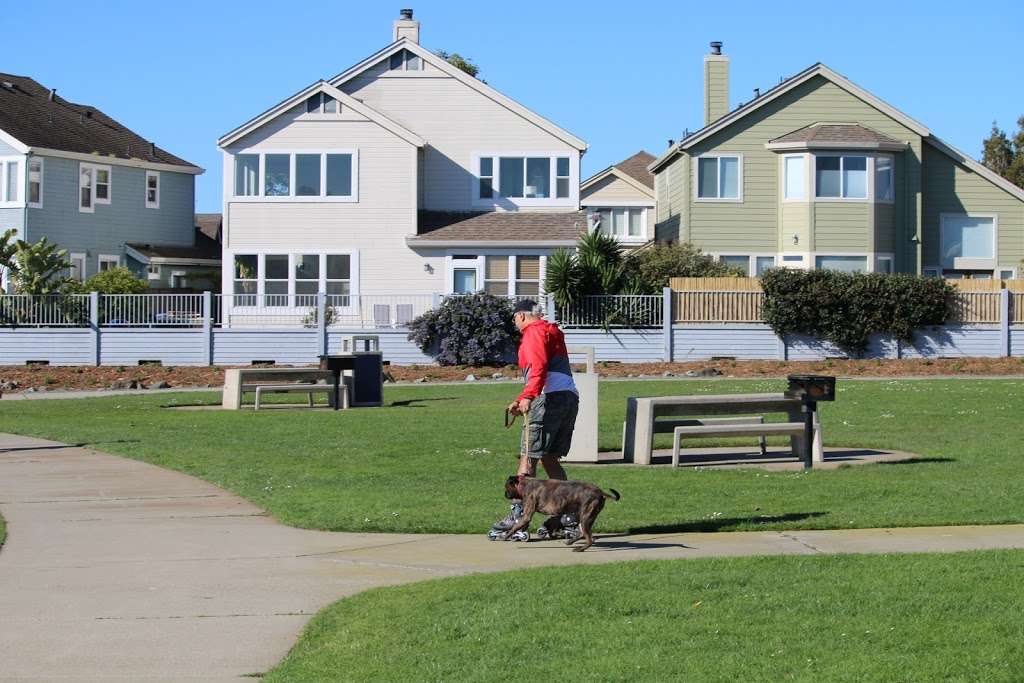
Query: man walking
{"points": [[549, 403]]}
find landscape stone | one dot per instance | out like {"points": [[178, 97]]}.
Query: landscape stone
{"points": [[470, 378]]}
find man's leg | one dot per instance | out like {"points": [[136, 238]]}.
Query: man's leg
{"points": [[553, 468]]}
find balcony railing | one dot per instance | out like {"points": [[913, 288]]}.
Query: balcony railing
{"points": [[44, 310]]}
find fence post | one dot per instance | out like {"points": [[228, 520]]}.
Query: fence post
{"points": [[321, 319], [666, 322], [782, 347], [94, 325], [549, 309], [437, 300], [1004, 322], [208, 326]]}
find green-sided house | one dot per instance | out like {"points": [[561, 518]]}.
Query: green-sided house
{"points": [[819, 173]]}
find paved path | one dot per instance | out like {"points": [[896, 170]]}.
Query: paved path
{"points": [[118, 570]]}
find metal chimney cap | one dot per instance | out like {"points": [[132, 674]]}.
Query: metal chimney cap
{"points": [[716, 47], [405, 14]]}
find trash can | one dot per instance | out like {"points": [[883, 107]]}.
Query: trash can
{"points": [[362, 372]]}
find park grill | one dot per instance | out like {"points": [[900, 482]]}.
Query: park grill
{"points": [[810, 389]]}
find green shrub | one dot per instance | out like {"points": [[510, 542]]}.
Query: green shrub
{"points": [[112, 281], [475, 329], [655, 265], [846, 308]]}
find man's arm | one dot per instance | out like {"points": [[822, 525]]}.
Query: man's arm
{"points": [[535, 354]]}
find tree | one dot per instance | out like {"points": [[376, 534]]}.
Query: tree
{"points": [[39, 267], [459, 62], [597, 266], [997, 152], [112, 281], [8, 248], [655, 265], [1015, 173]]}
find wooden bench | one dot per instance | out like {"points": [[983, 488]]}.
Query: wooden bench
{"points": [[706, 430], [238, 381]]}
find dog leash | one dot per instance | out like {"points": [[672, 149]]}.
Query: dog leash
{"points": [[509, 422]]}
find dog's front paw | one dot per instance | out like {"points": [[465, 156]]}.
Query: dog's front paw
{"points": [[579, 549]]}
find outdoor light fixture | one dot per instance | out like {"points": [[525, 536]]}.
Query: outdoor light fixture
{"points": [[428, 268], [796, 238]]}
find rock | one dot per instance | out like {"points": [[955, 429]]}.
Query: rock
{"points": [[641, 376], [630, 375], [120, 384], [8, 385], [159, 384], [704, 372], [497, 375], [30, 390], [470, 378], [420, 380], [668, 374]]}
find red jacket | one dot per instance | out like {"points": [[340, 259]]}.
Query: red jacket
{"points": [[544, 360]]}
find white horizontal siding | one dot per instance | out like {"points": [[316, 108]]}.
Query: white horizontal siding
{"points": [[612, 190], [170, 347], [238, 347], [626, 346], [742, 343], [59, 346], [955, 341], [1017, 341], [394, 344]]}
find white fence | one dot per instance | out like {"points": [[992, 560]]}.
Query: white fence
{"points": [[47, 310], [621, 311]]}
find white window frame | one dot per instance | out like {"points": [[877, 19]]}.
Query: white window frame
{"points": [[260, 278], [869, 180], [868, 258], [28, 184], [499, 201], [93, 199], [406, 54], [107, 258], [997, 273], [154, 204], [627, 238], [184, 279], [980, 263], [783, 184], [891, 258], [19, 183], [874, 177], [82, 259], [322, 97], [799, 260], [739, 181], [153, 271], [751, 259], [292, 197], [452, 263]]}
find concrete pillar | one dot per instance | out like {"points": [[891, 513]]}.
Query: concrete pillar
{"points": [[550, 314], [94, 325], [208, 327], [666, 322], [1004, 323], [321, 323], [584, 435]]}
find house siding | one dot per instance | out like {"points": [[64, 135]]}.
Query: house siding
{"points": [[950, 187], [613, 191], [841, 227], [125, 219], [7, 150], [457, 122], [753, 224]]}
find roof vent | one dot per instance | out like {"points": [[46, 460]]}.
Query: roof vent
{"points": [[7, 85], [405, 14], [671, 142], [152, 149], [757, 93], [52, 95], [716, 47]]}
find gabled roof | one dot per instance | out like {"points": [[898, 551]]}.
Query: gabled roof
{"points": [[458, 74], [549, 229], [807, 74], [205, 250], [210, 224], [301, 96], [29, 116], [979, 168], [632, 170]]}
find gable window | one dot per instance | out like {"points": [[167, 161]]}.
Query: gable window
{"points": [[10, 181], [404, 60], [622, 223], [277, 173], [247, 171], [841, 177], [322, 103], [967, 238], [152, 190], [93, 186], [719, 178], [795, 168], [884, 179], [523, 177], [35, 182]]}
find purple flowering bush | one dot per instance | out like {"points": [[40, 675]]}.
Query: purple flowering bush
{"points": [[475, 329]]}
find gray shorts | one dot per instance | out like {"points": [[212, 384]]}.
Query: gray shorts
{"points": [[547, 429]]}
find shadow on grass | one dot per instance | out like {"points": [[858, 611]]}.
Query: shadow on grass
{"points": [[916, 461], [409, 403], [711, 525], [57, 447]]}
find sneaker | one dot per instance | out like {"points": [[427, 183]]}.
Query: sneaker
{"points": [[519, 536], [509, 520]]}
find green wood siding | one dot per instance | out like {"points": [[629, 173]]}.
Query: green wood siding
{"points": [[841, 227], [950, 187]]}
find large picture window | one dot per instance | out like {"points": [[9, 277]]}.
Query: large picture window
{"points": [[292, 280], [523, 177], [966, 237], [305, 176], [719, 177], [844, 264], [841, 177]]}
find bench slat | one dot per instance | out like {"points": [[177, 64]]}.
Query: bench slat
{"points": [[796, 428]]}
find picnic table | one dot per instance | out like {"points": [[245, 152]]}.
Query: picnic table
{"points": [[238, 381], [642, 412]]}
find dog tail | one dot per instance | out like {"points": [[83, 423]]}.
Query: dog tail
{"points": [[614, 495]]}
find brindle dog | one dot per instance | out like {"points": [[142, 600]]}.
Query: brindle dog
{"points": [[554, 497]]}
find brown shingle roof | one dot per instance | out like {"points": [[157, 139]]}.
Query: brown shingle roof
{"points": [[209, 224], [28, 114], [504, 226], [204, 248], [838, 133], [636, 168]]}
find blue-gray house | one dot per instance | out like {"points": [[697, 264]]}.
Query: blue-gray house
{"points": [[72, 174]]}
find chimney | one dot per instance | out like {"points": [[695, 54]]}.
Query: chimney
{"points": [[407, 27], [716, 84], [53, 94]]}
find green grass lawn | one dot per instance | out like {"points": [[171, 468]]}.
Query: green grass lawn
{"points": [[434, 459], [859, 618]]}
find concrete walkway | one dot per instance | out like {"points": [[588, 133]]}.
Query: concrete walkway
{"points": [[115, 569]]}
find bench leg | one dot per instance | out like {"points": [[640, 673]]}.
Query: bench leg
{"points": [[676, 438], [256, 406], [817, 449], [310, 395], [762, 440]]}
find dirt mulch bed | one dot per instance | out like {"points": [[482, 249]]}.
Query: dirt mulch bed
{"points": [[44, 378]]}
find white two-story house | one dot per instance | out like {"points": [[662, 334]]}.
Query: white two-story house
{"points": [[402, 175]]}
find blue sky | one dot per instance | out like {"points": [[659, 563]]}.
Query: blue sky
{"points": [[184, 73]]}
